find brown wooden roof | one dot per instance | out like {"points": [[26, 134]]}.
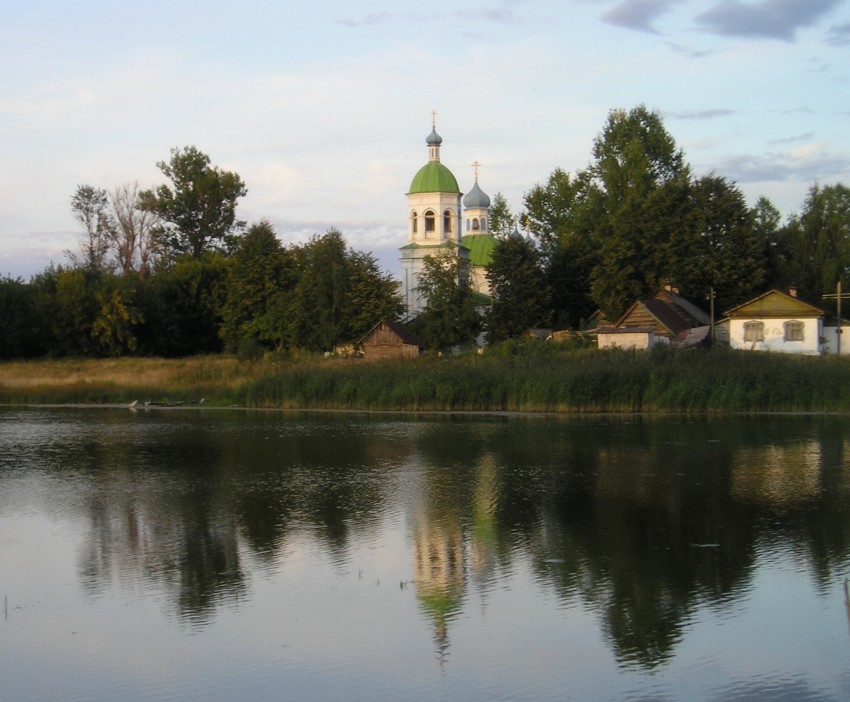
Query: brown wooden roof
{"points": [[667, 312], [404, 335]]}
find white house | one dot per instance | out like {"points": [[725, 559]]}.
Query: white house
{"points": [[776, 321]]}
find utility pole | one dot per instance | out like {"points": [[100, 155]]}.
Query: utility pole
{"points": [[838, 297], [711, 315]]}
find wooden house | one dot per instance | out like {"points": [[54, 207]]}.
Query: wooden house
{"points": [[390, 340], [664, 318]]}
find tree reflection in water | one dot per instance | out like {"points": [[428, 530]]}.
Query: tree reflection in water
{"points": [[641, 521]]}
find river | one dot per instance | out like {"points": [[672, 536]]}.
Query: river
{"points": [[208, 554]]}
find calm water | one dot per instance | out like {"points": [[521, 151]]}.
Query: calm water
{"points": [[222, 555]]}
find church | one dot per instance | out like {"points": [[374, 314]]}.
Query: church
{"points": [[440, 218]]}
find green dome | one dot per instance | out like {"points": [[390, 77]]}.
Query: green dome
{"points": [[434, 177]]}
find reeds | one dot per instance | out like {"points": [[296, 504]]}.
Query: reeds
{"points": [[534, 377]]}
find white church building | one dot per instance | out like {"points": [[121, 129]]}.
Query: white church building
{"points": [[437, 215]]}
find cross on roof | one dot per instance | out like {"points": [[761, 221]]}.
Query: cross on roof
{"points": [[475, 165], [433, 119]]}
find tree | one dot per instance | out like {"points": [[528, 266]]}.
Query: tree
{"points": [[373, 295], [182, 308], [563, 215], [767, 225], [450, 317], [200, 209], [18, 320], [520, 298], [634, 154], [634, 157], [260, 280], [819, 241], [75, 311], [114, 327], [90, 207], [722, 248], [502, 221], [133, 235], [339, 296]]}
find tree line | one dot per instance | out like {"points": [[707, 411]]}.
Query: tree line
{"points": [[636, 218], [171, 271]]}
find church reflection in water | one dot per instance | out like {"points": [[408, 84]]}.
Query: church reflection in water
{"points": [[642, 523]]}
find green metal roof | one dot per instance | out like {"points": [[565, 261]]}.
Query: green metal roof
{"points": [[480, 248], [434, 177]]}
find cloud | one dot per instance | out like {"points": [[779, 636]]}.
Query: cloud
{"points": [[839, 35], [791, 139], [501, 13], [370, 20], [638, 14], [807, 164], [688, 51], [768, 19], [700, 114]]}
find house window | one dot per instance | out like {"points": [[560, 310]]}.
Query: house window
{"points": [[793, 331], [753, 331], [415, 222], [430, 224], [447, 221]]}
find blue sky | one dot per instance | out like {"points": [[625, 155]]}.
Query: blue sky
{"points": [[323, 107]]}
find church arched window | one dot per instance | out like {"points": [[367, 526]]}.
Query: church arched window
{"points": [[430, 221], [483, 224], [414, 222], [475, 224], [447, 221]]}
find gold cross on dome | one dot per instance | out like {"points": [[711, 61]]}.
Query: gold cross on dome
{"points": [[475, 166], [433, 119]]}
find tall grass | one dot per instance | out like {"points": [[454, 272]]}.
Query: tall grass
{"points": [[534, 377]]}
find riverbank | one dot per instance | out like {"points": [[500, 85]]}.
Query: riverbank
{"points": [[533, 377]]}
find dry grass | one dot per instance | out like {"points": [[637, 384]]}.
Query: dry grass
{"points": [[213, 372]]}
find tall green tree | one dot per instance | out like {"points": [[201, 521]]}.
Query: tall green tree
{"points": [[339, 296], [373, 295], [723, 249], [819, 241], [563, 215], [518, 288], [260, 280], [767, 224], [634, 156], [199, 208], [450, 317]]}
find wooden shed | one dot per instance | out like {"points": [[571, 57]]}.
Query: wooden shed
{"points": [[390, 340]]}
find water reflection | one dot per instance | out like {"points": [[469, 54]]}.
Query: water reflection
{"points": [[642, 523]]}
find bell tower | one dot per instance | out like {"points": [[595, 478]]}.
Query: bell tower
{"points": [[433, 219]]}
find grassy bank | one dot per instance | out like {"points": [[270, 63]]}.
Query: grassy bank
{"points": [[532, 377]]}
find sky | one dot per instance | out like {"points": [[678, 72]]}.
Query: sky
{"points": [[323, 108]]}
